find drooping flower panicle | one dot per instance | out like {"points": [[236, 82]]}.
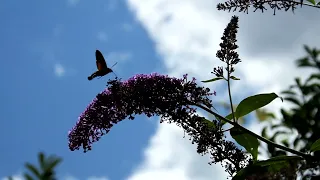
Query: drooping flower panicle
{"points": [[149, 94], [170, 98]]}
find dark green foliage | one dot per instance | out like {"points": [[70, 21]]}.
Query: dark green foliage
{"points": [[304, 117], [45, 171], [281, 167]]}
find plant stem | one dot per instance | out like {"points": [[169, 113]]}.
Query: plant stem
{"points": [[306, 156], [229, 92]]}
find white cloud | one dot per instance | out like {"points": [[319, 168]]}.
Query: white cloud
{"points": [[15, 177], [59, 70], [170, 156], [98, 178], [127, 27], [102, 36], [69, 177], [119, 56], [73, 2], [187, 35]]}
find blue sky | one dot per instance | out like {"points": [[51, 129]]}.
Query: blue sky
{"points": [[40, 103], [47, 52]]}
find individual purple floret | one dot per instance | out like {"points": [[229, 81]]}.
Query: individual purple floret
{"points": [[154, 94]]}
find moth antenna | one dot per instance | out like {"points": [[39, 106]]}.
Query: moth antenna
{"points": [[114, 64], [114, 74]]}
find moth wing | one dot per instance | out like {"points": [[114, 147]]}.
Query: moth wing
{"points": [[101, 63]]}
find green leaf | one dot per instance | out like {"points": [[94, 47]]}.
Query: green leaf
{"points": [[33, 169], [41, 160], [315, 146], [246, 140], [318, 4], [288, 92], [306, 48], [264, 132], [234, 78], [312, 2], [274, 164], [313, 76], [304, 62], [211, 80], [255, 102], [293, 100], [28, 177]]}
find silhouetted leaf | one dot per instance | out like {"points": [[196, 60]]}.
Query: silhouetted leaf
{"points": [[304, 62], [28, 177], [234, 78], [315, 146], [41, 160], [313, 76], [293, 100], [288, 92], [306, 48], [246, 140], [33, 169], [211, 80], [252, 103], [52, 162]]}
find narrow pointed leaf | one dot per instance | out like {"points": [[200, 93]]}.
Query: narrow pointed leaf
{"points": [[41, 160], [234, 78], [33, 169], [288, 92], [313, 76], [312, 2], [28, 177], [211, 80], [315, 146], [293, 100], [255, 102]]}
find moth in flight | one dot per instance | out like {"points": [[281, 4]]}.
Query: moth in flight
{"points": [[101, 66]]}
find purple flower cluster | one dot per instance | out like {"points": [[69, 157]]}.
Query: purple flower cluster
{"points": [[170, 98], [152, 95]]}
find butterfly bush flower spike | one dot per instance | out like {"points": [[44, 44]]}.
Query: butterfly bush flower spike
{"points": [[149, 94], [170, 98]]}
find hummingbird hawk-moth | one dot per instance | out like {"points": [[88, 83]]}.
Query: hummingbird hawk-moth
{"points": [[101, 66]]}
